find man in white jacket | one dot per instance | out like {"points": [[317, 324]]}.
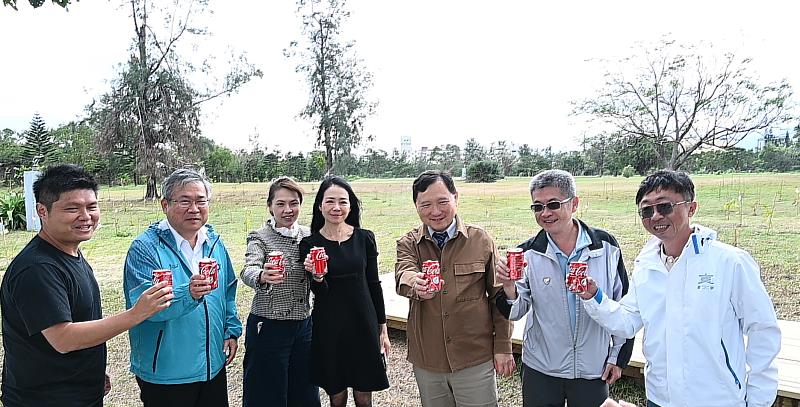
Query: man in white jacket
{"points": [[697, 299]]}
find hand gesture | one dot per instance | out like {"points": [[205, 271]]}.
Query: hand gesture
{"points": [[229, 347], [271, 275], [153, 300], [420, 287], [591, 289], [199, 286], [611, 373], [504, 364], [308, 264]]}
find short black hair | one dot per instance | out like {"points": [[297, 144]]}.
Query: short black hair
{"points": [[429, 177], [58, 179], [677, 181], [353, 218]]}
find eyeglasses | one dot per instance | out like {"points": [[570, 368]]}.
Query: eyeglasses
{"points": [[647, 212], [553, 206], [186, 203]]}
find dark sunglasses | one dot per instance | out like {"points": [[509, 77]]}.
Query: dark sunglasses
{"points": [[553, 206], [647, 212]]}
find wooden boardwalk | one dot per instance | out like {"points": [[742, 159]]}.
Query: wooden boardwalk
{"points": [[788, 358]]}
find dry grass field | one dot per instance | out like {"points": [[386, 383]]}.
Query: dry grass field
{"points": [[757, 212]]}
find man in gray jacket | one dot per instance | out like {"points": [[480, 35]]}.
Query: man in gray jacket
{"points": [[566, 355]]}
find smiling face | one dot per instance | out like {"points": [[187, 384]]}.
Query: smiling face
{"points": [[187, 221], [72, 219], [436, 206], [335, 205], [672, 229], [554, 222], [285, 207]]}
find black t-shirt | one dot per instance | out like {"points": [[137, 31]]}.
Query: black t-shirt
{"points": [[42, 287]]}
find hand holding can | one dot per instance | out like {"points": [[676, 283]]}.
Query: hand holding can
{"points": [[320, 260], [577, 277], [516, 263], [433, 274], [210, 270]]}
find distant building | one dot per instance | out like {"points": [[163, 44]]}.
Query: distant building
{"points": [[770, 139], [405, 145]]}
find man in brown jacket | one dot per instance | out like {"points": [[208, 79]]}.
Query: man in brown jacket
{"points": [[457, 338]]}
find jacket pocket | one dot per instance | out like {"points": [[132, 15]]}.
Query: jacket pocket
{"points": [[469, 281], [158, 346], [728, 364]]}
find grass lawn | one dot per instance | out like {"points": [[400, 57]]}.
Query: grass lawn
{"points": [[757, 212]]}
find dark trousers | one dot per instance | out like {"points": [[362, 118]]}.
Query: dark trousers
{"points": [[541, 390], [651, 404], [213, 393], [277, 364]]}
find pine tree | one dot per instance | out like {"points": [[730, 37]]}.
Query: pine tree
{"points": [[39, 148]]}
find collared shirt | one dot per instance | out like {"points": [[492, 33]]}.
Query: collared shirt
{"points": [[192, 255], [582, 241], [451, 231]]}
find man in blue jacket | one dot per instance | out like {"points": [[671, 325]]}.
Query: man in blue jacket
{"points": [[179, 355]]}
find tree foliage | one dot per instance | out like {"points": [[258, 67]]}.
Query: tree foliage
{"points": [[682, 101], [37, 3], [38, 149], [338, 83], [152, 111], [484, 171]]}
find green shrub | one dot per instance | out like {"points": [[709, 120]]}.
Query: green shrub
{"points": [[628, 171], [12, 210], [484, 171]]}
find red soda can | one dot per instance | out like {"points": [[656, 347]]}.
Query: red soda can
{"points": [[210, 270], [577, 276], [162, 275], [275, 260], [516, 263], [433, 274], [320, 260]]}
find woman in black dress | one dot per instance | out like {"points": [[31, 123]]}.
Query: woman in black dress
{"points": [[349, 339]]}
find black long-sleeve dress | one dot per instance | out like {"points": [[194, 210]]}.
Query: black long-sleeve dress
{"points": [[348, 311]]}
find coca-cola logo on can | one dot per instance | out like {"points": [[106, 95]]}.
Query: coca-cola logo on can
{"points": [[162, 275], [275, 260], [433, 273], [515, 260], [577, 277], [320, 259], [210, 270]]}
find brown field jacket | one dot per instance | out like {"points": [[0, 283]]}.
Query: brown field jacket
{"points": [[460, 326]]}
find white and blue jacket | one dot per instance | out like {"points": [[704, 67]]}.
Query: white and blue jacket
{"points": [[183, 343], [695, 320]]}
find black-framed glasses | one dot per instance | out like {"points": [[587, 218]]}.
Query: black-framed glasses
{"points": [[553, 206], [186, 203], [665, 208]]}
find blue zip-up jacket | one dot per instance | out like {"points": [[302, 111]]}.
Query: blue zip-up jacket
{"points": [[183, 343]]}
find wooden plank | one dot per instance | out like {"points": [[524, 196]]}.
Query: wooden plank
{"points": [[788, 359]]}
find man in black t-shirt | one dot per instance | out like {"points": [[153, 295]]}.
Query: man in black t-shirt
{"points": [[54, 333]]}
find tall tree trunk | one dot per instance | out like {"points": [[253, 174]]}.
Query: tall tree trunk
{"points": [[152, 188]]}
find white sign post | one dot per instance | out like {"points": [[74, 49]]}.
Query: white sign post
{"points": [[34, 224]]}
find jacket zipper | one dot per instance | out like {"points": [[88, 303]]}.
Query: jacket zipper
{"points": [[208, 352], [158, 347], [728, 363]]}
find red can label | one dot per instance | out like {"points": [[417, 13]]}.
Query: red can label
{"points": [[577, 276], [162, 275], [433, 274], [516, 263], [275, 260], [320, 260], [210, 270]]}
